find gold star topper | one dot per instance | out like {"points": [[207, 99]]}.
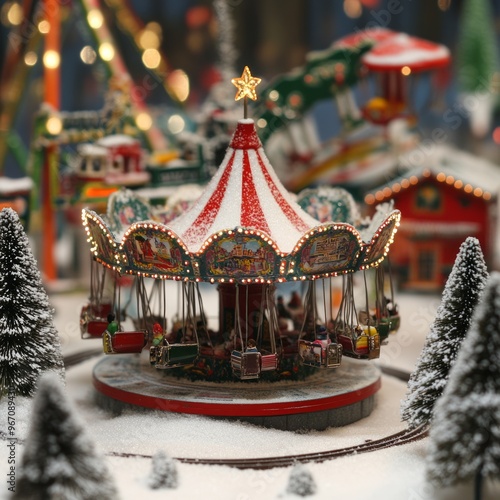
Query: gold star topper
{"points": [[246, 84]]}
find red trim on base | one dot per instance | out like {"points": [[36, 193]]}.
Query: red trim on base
{"points": [[237, 409]]}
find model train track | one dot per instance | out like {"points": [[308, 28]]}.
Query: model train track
{"points": [[400, 438], [80, 357], [404, 437]]}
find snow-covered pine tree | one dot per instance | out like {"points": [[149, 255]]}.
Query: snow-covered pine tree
{"points": [[301, 481], [29, 343], [59, 459], [461, 294], [465, 431], [163, 472]]}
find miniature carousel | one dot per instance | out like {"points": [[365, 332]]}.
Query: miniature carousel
{"points": [[245, 237]]}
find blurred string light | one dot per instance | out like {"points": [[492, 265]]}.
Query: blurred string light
{"points": [[406, 70], [95, 18], [54, 125], [43, 26], [12, 13], [51, 59], [353, 8], [106, 51], [178, 82], [30, 58], [150, 37], [176, 124], [144, 121], [151, 58], [88, 55]]}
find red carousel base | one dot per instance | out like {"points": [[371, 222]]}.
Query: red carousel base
{"points": [[331, 397]]}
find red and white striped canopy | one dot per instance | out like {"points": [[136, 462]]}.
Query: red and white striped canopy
{"points": [[403, 50], [244, 192]]}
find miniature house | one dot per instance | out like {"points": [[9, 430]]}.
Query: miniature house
{"points": [[444, 197]]}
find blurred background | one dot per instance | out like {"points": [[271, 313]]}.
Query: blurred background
{"points": [[175, 51]]}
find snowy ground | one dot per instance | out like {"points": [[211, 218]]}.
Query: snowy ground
{"points": [[392, 474]]}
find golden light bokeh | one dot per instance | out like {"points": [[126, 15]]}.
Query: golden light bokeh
{"points": [[51, 59]]}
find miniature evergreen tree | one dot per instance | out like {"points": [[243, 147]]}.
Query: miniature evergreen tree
{"points": [[301, 482], [59, 459], [29, 343], [477, 54], [461, 294], [477, 59], [465, 432], [164, 472]]}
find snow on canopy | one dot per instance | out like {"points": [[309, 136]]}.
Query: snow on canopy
{"points": [[245, 192], [404, 50]]}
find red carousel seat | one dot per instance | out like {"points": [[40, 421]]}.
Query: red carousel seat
{"points": [[124, 342], [268, 362]]}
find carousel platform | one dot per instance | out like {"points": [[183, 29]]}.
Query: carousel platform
{"points": [[328, 398]]}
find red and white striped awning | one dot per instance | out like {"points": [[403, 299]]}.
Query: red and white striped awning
{"points": [[244, 192], [401, 50]]}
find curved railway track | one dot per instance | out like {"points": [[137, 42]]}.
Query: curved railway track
{"points": [[400, 438]]}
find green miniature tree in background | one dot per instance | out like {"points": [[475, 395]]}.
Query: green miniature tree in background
{"points": [[29, 343], [477, 54], [59, 459], [477, 61], [461, 294], [465, 431]]}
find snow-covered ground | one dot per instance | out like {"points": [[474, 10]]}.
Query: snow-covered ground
{"points": [[393, 474]]}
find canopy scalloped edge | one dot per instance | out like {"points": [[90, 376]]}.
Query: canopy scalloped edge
{"points": [[240, 254]]}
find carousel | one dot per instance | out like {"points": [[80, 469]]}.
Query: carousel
{"points": [[245, 237]]}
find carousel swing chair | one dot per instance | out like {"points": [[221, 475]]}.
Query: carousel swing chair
{"points": [[386, 311], [120, 341], [357, 341], [93, 316], [185, 348], [249, 362], [320, 352]]}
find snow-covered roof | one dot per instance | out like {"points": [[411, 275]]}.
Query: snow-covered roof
{"points": [[439, 228], [446, 163], [8, 185], [89, 149], [404, 50], [116, 140], [245, 192]]}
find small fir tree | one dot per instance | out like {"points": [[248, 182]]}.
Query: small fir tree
{"points": [[59, 459], [301, 482], [465, 432], [29, 343], [163, 472], [477, 61], [461, 294], [477, 51]]}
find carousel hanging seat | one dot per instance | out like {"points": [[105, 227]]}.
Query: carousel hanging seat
{"points": [[173, 355], [320, 355], [246, 365], [124, 342], [91, 325], [360, 343]]}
